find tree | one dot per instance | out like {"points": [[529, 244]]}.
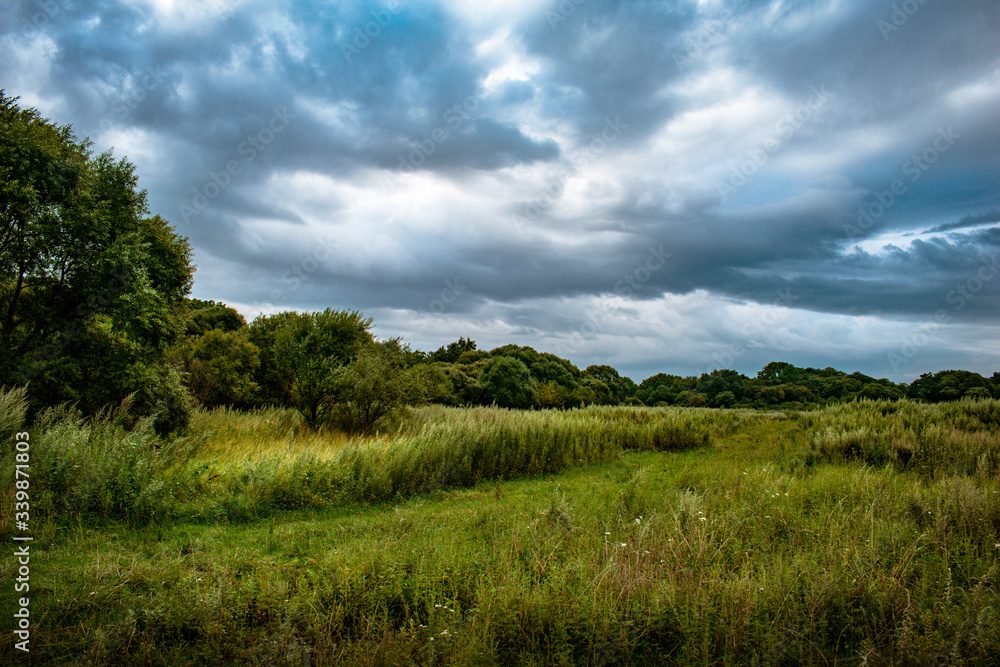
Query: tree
{"points": [[878, 391], [619, 388], [275, 387], [435, 382], [220, 367], [725, 399], [945, 385], [507, 382], [203, 316], [977, 394], [779, 372], [454, 350], [313, 351], [550, 396], [91, 289], [374, 385]]}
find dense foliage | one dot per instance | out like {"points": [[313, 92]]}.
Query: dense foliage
{"points": [[91, 289]]}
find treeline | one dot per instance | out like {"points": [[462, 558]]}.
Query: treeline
{"points": [[95, 308], [331, 368], [781, 384]]}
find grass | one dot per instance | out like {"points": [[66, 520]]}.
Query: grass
{"points": [[605, 536]]}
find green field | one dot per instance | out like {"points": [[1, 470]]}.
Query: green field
{"points": [[867, 533]]}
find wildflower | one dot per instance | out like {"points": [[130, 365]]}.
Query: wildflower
{"points": [[701, 518], [638, 521]]}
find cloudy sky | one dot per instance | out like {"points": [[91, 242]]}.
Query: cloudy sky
{"points": [[661, 186]]}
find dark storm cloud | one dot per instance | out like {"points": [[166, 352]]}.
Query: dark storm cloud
{"points": [[615, 55], [379, 154]]}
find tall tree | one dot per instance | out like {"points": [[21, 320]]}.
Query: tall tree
{"points": [[313, 350], [91, 289], [508, 383]]}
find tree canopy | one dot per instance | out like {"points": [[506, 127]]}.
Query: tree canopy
{"points": [[91, 287]]}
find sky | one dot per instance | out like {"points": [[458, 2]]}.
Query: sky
{"points": [[658, 186]]}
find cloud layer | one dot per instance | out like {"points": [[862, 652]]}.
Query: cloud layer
{"points": [[664, 186]]}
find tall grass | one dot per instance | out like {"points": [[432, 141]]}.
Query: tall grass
{"points": [[237, 466], [689, 540], [951, 438], [461, 447]]}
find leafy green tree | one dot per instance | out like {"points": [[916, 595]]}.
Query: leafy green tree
{"points": [[91, 289], [507, 382], [619, 388], [275, 387], [548, 370], [948, 385], [550, 395], [203, 316], [721, 381], [453, 351], [434, 380], [220, 367], [465, 380], [313, 351], [779, 372], [373, 386], [472, 356], [725, 399], [663, 394], [977, 394], [878, 391]]}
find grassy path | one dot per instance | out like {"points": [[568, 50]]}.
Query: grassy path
{"points": [[742, 552]]}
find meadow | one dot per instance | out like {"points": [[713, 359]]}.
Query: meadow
{"points": [[859, 534]]}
